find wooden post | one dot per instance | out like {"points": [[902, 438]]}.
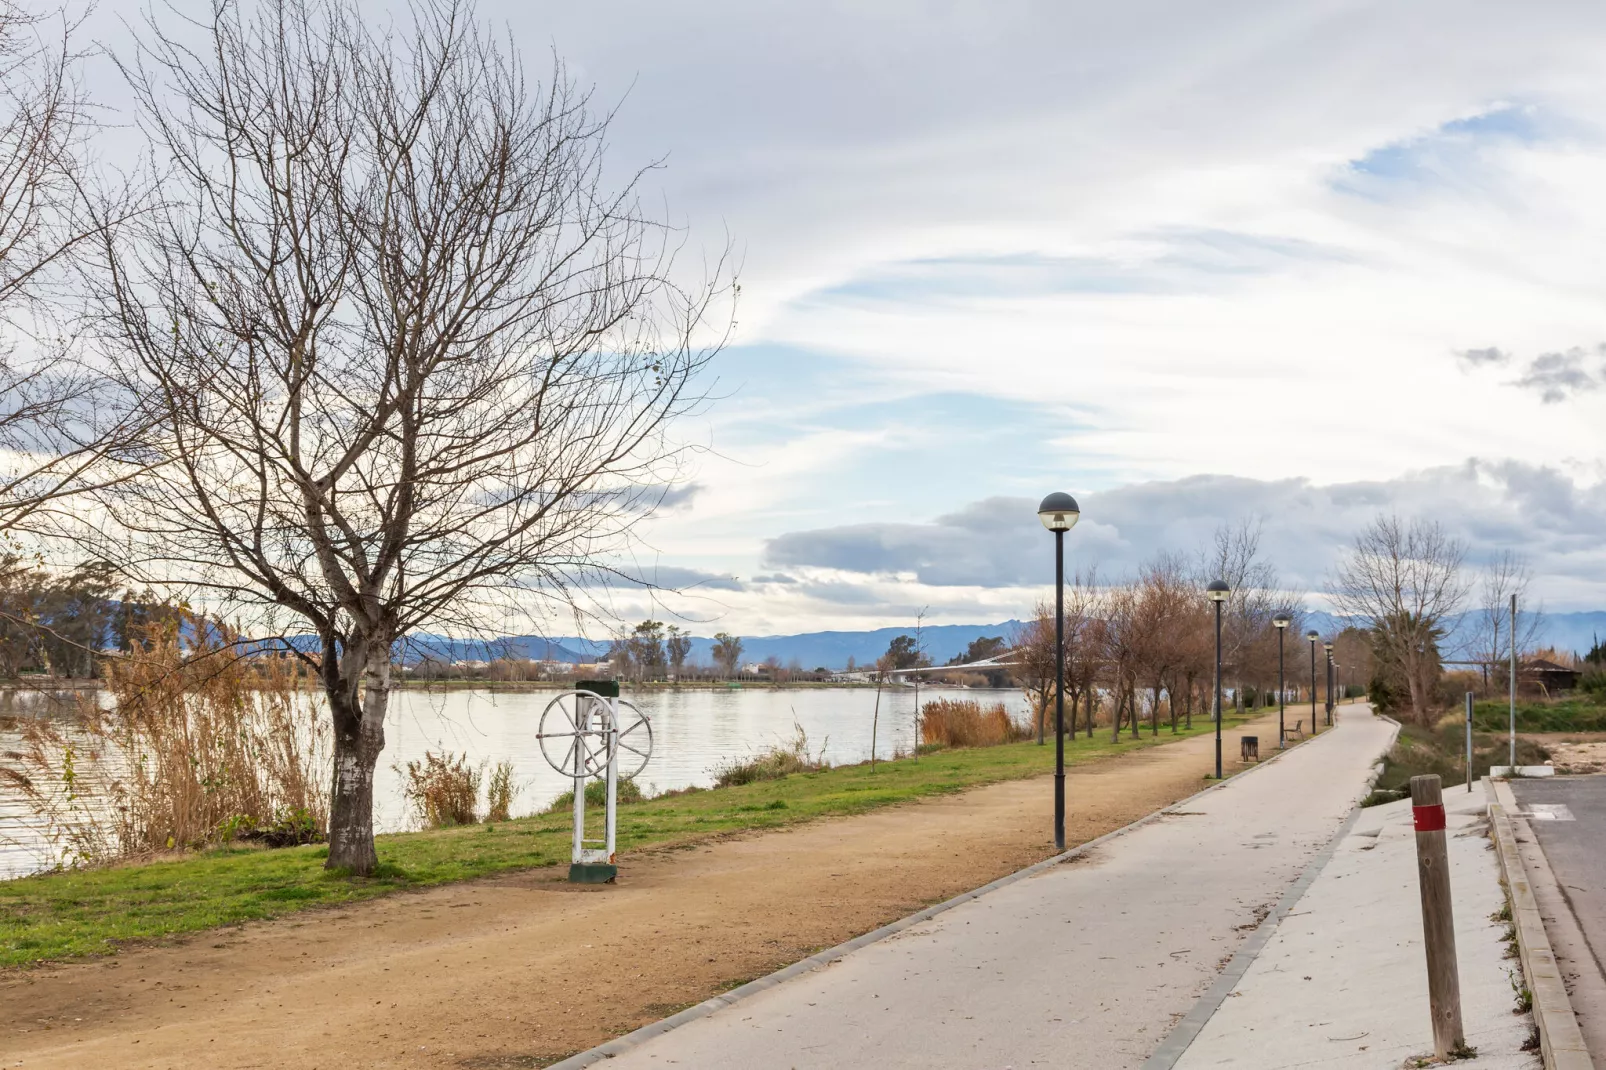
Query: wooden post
{"points": [[1438, 921]]}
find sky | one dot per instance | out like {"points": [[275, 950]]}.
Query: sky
{"points": [[1192, 263]]}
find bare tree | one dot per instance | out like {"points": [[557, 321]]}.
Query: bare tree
{"points": [[1404, 581], [1161, 617], [1036, 665], [1034, 644], [57, 422], [1489, 641], [408, 356], [1253, 599]]}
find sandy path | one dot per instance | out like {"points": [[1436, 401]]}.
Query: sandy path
{"points": [[519, 971]]}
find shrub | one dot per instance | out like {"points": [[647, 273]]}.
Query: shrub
{"points": [[443, 789], [776, 761], [597, 795], [289, 828], [964, 723], [1443, 751], [500, 791], [200, 745], [1568, 715]]}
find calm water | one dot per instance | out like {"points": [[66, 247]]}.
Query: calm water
{"points": [[694, 731]]}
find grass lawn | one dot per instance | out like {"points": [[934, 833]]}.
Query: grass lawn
{"points": [[1584, 713], [92, 911]]}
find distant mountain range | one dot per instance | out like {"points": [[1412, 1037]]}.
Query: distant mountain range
{"points": [[1573, 632], [829, 650], [1566, 631]]}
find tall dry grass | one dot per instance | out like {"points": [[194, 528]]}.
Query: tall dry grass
{"points": [[773, 762], [965, 723], [500, 791], [444, 789], [198, 744]]}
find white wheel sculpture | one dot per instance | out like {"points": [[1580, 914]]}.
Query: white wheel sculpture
{"points": [[580, 721], [575, 721], [634, 741]]}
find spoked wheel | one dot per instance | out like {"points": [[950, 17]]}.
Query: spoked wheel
{"points": [[575, 723], [635, 740]]}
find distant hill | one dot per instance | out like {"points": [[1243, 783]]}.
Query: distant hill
{"points": [[831, 650], [1573, 632]]}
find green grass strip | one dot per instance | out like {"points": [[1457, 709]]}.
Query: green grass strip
{"points": [[94, 911]]}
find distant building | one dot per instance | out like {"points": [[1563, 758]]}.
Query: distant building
{"points": [[1549, 675]]}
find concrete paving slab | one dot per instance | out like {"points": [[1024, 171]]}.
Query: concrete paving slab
{"points": [[1090, 963], [1342, 981]]}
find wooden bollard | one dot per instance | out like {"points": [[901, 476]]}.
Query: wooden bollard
{"points": [[1438, 920]]}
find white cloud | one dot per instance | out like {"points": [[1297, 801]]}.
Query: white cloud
{"points": [[1309, 245]]}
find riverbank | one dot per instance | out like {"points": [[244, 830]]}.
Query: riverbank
{"points": [[94, 911], [522, 969]]}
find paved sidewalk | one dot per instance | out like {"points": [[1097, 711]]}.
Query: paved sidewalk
{"points": [[1088, 964], [1342, 981]]}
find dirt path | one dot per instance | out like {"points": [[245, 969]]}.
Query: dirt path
{"points": [[522, 970]]}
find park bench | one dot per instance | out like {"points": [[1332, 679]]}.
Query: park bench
{"points": [[1298, 726]]}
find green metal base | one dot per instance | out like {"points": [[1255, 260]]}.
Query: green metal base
{"points": [[592, 873]]}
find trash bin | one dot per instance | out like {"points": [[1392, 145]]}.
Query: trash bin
{"points": [[1249, 748]]}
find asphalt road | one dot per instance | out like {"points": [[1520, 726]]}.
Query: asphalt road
{"points": [[1574, 841]]}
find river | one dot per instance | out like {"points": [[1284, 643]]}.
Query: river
{"points": [[694, 731]]}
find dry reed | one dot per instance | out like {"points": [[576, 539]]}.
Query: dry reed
{"points": [[444, 789], [775, 761], [964, 723], [500, 791], [200, 743]]}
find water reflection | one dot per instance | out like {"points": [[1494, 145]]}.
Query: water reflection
{"points": [[694, 731]]}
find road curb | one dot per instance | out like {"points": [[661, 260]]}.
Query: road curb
{"points": [[634, 1039], [1561, 1043]]}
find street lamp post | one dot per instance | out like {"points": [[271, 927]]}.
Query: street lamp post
{"points": [[1281, 622], [1329, 648], [1217, 593], [1059, 514], [1311, 638]]}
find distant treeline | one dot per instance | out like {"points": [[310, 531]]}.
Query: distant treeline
{"points": [[58, 623]]}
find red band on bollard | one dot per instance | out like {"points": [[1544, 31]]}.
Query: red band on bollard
{"points": [[1428, 818]]}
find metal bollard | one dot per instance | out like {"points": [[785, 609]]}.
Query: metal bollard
{"points": [[1438, 920]]}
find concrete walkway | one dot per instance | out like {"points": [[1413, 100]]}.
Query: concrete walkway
{"points": [[1342, 981], [1090, 963]]}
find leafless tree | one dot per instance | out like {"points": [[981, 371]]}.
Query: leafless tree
{"points": [[1489, 641], [1253, 599], [1034, 646], [1164, 594], [1404, 580], [1036, 665], [408, 355], [57, 422]]}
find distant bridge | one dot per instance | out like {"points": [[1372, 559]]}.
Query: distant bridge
{"points": [[997, 661]]}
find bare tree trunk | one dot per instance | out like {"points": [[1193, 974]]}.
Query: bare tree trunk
{"points": [[1132, 704], [875, 718], [359, 738]]}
